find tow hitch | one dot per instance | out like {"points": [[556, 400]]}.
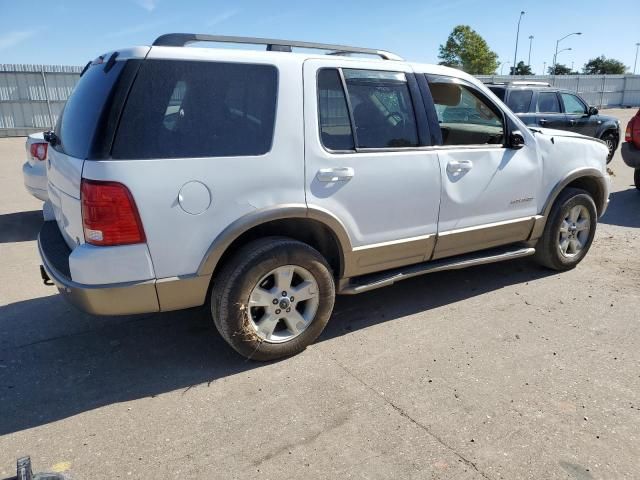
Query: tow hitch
{"points": [[25, 472], [45, 278]]}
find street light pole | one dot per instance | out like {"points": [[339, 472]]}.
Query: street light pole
{"points": [[515, 55], [530, 43], [555, 56], [544, 68], [502, 66], [636, 61]]}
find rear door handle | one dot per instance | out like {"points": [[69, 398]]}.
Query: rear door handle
{"points": [[338, 174], [542, 121], [459, 166], [572, 122]]}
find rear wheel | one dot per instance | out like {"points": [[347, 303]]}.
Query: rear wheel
{"points": [[273, 298], [569, 231], [636, 178], [611, 139]]}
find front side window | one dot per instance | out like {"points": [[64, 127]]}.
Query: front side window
{"points": [[466, 117], [179, 109], [548, 102], [520, 100], [573, 105], [382, 111]]}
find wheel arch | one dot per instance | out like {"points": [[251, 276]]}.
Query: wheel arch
{"points": [[313, 226]]}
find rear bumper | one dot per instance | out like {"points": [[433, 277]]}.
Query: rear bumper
{"points": [[112, 299], [630, 155]]}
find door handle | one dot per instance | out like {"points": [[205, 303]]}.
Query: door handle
{"points": [[542, 121], [459, 166], [572, 122], [339, 174]]}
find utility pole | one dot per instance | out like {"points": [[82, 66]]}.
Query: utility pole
{"points": [[515, 55], [530, 43]]}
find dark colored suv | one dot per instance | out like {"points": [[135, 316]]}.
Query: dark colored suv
{"points": [[539, 104]]}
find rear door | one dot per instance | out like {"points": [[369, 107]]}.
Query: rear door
{"points": [[520, 101], [367, 160], [577, 115], [549, 112]]}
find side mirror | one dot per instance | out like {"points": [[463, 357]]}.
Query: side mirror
{"points": [[516, 140], [593, 111]]}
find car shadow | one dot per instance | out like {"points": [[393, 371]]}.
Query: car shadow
{"points": [[20, 226], [56, 362], [624, 209]]}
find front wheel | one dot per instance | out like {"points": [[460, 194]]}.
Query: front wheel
{"points": [[273, 298], [569, 231], [611, 140]]}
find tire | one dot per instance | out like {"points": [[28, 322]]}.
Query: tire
{"points": [[249, 301], [611, 140], [549, 250], [636, 178]]}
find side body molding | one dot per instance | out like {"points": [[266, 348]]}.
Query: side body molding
{"points": [[590, 174], [265, 215]]}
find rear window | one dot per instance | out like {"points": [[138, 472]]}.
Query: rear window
{"points": [[498, 92], [198, 109], [520, 100], [85, 110]]}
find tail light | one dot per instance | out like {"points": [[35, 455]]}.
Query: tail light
{"points": [[628, 137], [38, 151], [109, 214]]}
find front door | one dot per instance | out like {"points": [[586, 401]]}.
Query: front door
{"points": [[577, 113], [488, 189], [366, 162]]}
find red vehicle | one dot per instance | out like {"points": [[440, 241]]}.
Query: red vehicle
{"points": [[631, 148]]}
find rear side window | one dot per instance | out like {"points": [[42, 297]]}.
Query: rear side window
{"points": [[86, 108], [520, 100], [548, 102], [335, 126], [382, 110], [498, 92], [182, 109]]}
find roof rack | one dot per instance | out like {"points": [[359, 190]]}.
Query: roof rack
{"points": [[182, 39], [531, 83]]}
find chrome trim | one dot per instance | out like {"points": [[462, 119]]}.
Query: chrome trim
{"points": [[432, 267], [481, 237]]}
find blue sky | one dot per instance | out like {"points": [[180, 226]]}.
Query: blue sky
{"points": [[75, 31]]}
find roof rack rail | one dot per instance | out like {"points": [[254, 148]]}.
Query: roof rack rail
{"points": [[520, 83], [182, 39]]}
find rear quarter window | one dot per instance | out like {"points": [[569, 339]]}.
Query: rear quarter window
{"points": [[179, 109]]}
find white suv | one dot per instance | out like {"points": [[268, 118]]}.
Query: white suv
{"points": [[263, 183]]}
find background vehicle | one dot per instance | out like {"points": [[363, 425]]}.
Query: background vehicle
{"points": [[34, 170], [539, 104], [298, 177], [630, 149]]}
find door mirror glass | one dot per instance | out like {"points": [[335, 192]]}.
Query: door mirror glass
{"points": [[593, 111], [516, 139]]}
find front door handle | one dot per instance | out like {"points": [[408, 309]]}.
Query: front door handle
{"points": [[338, 174], [572, 122], [542, 121], [459, 166]]}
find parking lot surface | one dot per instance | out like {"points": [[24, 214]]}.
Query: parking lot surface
{"points": [[500, 371]]}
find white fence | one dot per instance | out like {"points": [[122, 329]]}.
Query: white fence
{"points": [[32, 96], [598, 90]]}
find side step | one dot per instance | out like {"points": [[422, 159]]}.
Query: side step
{"points": [[384, 279]]}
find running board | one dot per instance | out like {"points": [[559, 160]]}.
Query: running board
{"points": [[384, 279]]}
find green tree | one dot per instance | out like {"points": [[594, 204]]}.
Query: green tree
{"points": [[467, 50], [521, 69], [559, 70], [602, 65]]}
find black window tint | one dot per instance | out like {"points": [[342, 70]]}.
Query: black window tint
{"points": [[335, 126], [520, 100], [198, 109], [498, 92], [382, 109], [85, 109], [466, 117], [548, 102]]}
